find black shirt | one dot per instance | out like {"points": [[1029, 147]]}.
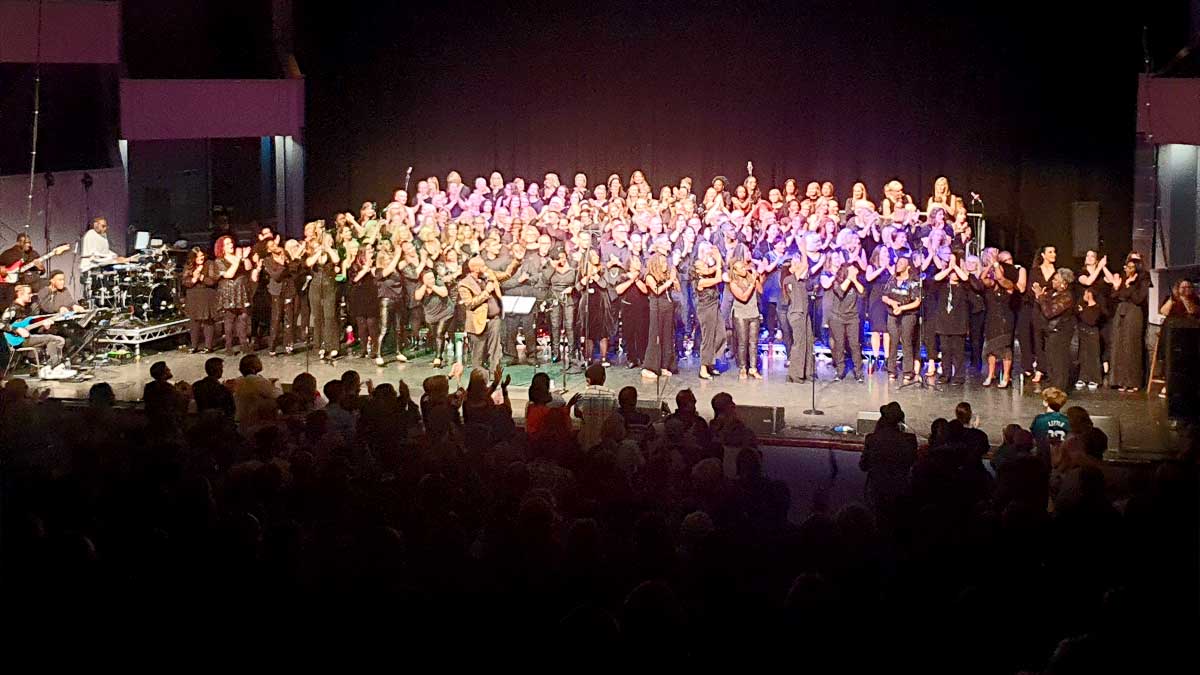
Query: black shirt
{"points": [[211, 394]]}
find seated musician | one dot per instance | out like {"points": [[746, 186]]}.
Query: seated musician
{"points": [[56, 298], [24, 336]]}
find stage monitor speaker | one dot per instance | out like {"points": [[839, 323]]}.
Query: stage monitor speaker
{"points": [[1111, 426], [1182, 348], [1085, 227], [762, 419], [865, 423]]}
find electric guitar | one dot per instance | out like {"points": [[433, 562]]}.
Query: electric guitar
{"points": [[14, 271], [31, 323]]}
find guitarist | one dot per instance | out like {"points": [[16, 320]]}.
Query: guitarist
{"points": [[21, 252], [21, 308]]}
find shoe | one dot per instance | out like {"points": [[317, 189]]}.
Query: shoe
{"points": [[606, 364], [892, 376], [704, 374], [649, 374], [1121, 389], [1093, 386], [437, 363], [333, 355], [838, 378], [1037, 377], [665, 372], [1003, 383], [858, 377], [194, 350], [754, 374], [957, 382], [1079, 384], [379, 361], [742, 374], [321, 355], [797, 380], [1162, 394], [909, 378], [987, 381], [272, 353], [631, 365], [288, 350]]}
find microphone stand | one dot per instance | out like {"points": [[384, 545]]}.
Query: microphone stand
{"points": [[814, 410]]}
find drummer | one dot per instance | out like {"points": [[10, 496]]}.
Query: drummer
{"points": [[95, 251]]}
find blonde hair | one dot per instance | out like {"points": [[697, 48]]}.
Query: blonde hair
{"points": [[657, 266]]}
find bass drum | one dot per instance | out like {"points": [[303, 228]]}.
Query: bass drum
{"points": [[154, 301]]}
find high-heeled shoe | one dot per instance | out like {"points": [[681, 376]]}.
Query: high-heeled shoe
{"points": [[987, 381], [704, 374], [1004, 383]]}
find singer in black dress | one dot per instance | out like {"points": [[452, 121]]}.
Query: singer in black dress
{"points": [[794, 289], [660, 280]]}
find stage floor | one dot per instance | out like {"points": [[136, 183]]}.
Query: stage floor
{"points": [[1144, 423]]}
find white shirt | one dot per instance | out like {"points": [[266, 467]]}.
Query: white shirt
{"points": [[95, 252]]}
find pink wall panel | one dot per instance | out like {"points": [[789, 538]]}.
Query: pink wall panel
{"points": [[178, 109], [72, 32], [1169, 109]]}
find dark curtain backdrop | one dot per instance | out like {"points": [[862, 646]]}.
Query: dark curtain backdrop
{"points": [[1033, 110]]}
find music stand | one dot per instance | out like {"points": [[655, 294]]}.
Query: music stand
{"points": [[517, 304]]}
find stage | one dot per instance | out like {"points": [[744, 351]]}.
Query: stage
{"points": [[1145, 429]]}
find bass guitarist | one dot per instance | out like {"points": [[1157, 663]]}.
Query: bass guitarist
{"points": [[19, 332]]}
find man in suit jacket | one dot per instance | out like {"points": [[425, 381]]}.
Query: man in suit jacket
{"points": [[479, 293], [211, 392]]}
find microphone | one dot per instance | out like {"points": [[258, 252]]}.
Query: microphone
{"points": [[409, 173], [975, 196]]}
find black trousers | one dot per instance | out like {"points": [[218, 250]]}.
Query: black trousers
{"points": [[562, 326], [368, 332], [1029, 333], [1089, 353], [954, 366], [525, 324], [322, 301], [975, 355], [747, 341], [635, 319], [283, 316], [845, 336], [236, 321], [390, 321], [660, 346], [437, 335], [712, 333], [903, 330], [1055, 359], [802, 364]]}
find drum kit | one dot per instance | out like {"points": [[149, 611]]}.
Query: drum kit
{"points": [[146, 288]]}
